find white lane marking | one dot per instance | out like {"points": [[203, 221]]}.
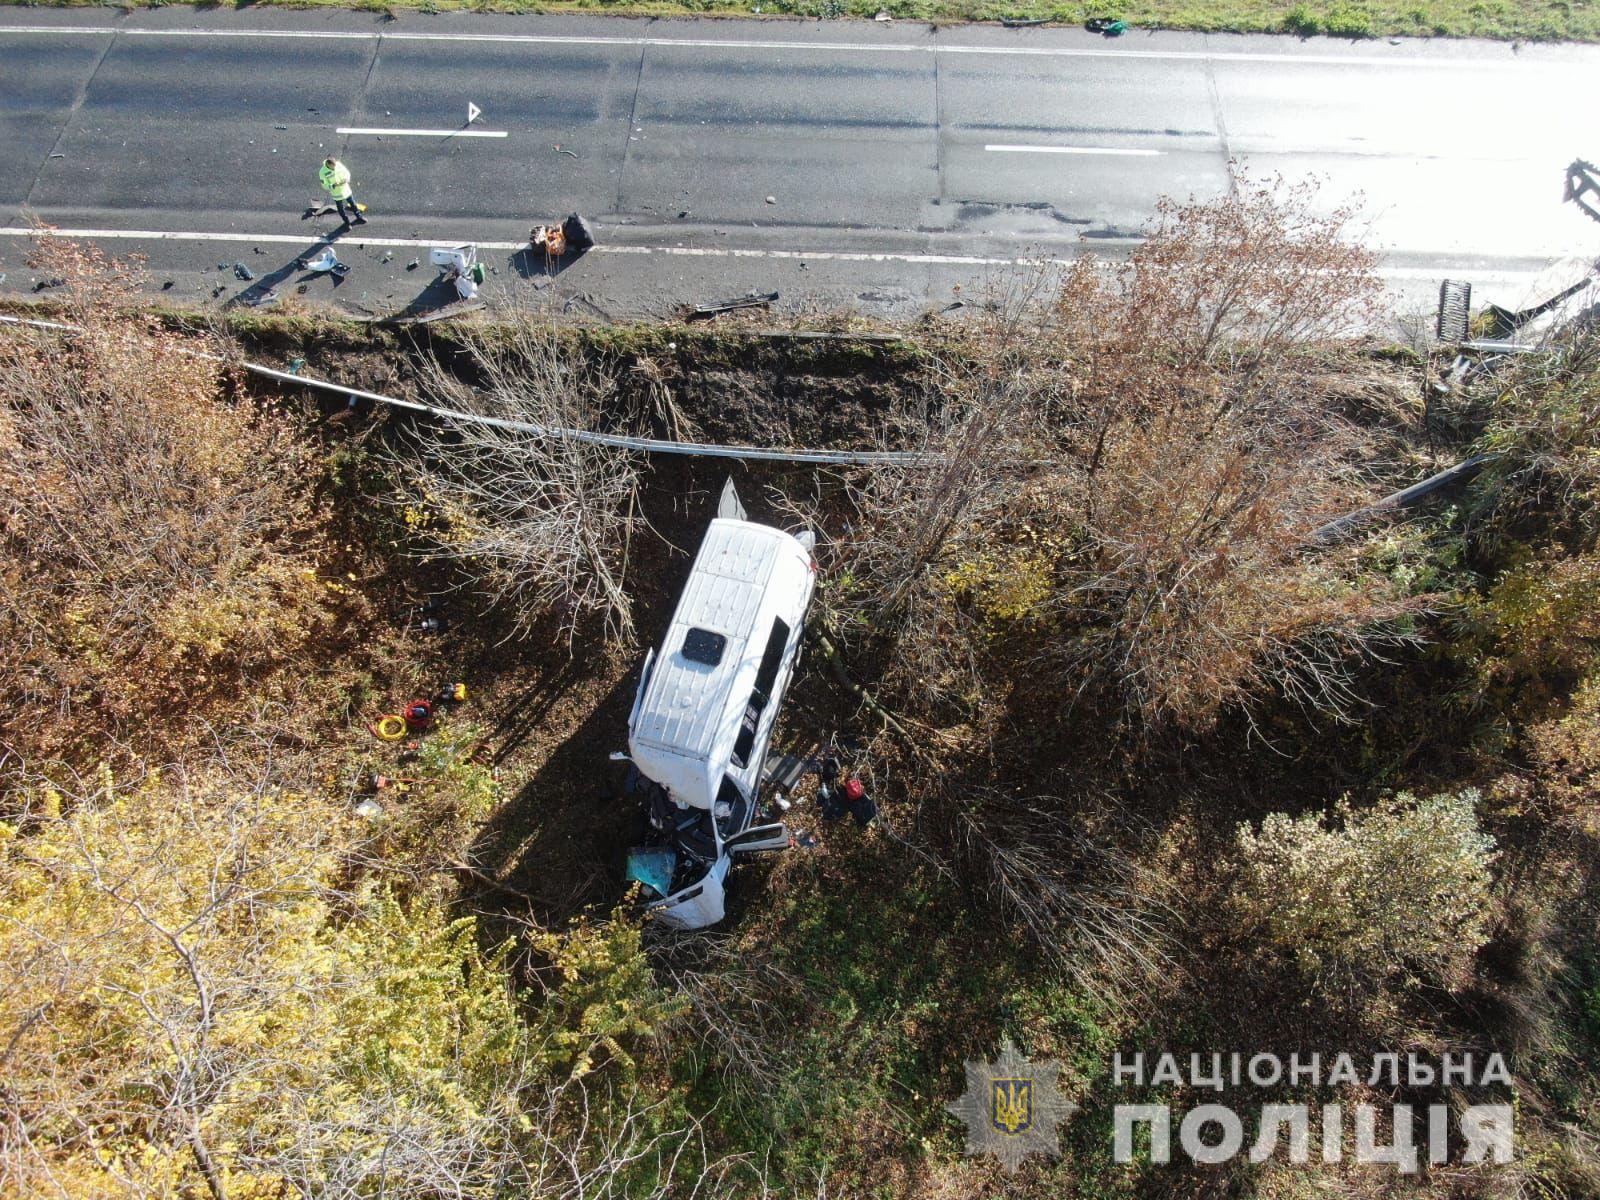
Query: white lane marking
{"points": [[532, 39], [281, 239], [165, 235], [1071, 150], [438, 133]]}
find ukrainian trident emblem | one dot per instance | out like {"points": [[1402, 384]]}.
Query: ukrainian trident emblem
{"points": [[1012, 1107]]}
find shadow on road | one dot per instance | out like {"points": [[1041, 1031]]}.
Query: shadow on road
{"points": [[534, 264], [436, 295], [265, 286]]}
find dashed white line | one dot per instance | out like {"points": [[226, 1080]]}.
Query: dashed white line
{"points": [[1337, 60], [1073, 150], [959, 260], [438, 133]]}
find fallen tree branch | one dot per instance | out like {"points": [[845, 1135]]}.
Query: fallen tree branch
{"points": [[836, 663], [489, 881]]}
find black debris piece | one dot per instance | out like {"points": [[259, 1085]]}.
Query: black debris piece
{"points": [[755, 300], [578, 233]]}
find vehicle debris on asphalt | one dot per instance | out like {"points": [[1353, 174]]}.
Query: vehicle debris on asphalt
{"points": [[459, 265], [753, 300]]}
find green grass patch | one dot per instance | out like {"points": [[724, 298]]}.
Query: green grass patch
{"points": [[1523, 20]]}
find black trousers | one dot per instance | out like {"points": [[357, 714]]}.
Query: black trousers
{"points": [[354, 212]]}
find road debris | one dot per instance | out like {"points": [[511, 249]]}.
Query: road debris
{"points": [[772, 199], [327, 262], [458, 265], [754, 300], [243, 272], [557, 148], [1583, 180], [450, 311]]}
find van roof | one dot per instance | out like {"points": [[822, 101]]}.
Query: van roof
{"points": [[743, 577]]}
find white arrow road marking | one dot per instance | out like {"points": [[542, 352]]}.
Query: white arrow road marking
{"points": [[438, 133], [473, 112]]}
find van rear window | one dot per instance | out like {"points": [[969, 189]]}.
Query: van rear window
{"points": [[703, 646]]}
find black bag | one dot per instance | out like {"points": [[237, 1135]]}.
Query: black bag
{"points": [[578, 234]]}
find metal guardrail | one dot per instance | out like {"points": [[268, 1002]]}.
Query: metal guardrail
{"points": [[615, 440], [1340, 526]]}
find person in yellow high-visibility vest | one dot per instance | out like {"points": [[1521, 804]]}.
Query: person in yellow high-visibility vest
{"points": [[336, 182]]}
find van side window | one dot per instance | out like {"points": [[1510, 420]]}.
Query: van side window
{"points": [[731, 807], [761, 694]]}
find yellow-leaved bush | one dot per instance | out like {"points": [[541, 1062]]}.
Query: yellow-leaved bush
{"points": [[1399, 890], [194, 998], [155, 535]]}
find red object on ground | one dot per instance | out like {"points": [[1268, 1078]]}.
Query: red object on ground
{"points": [[853, 789], [419, 714]]}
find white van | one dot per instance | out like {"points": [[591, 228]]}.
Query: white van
{"points": [[703, 716]]}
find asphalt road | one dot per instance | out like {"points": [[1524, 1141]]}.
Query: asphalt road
{"points": [[864, 164]]}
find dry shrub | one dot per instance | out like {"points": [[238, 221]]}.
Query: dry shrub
{"points": [[1191, 583], [1126, 473], [735, 1006], [1565, 752], [975, 442], [1204, 454], [1086, 903], [154, 540], [538, 520], [1544, 429]]}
